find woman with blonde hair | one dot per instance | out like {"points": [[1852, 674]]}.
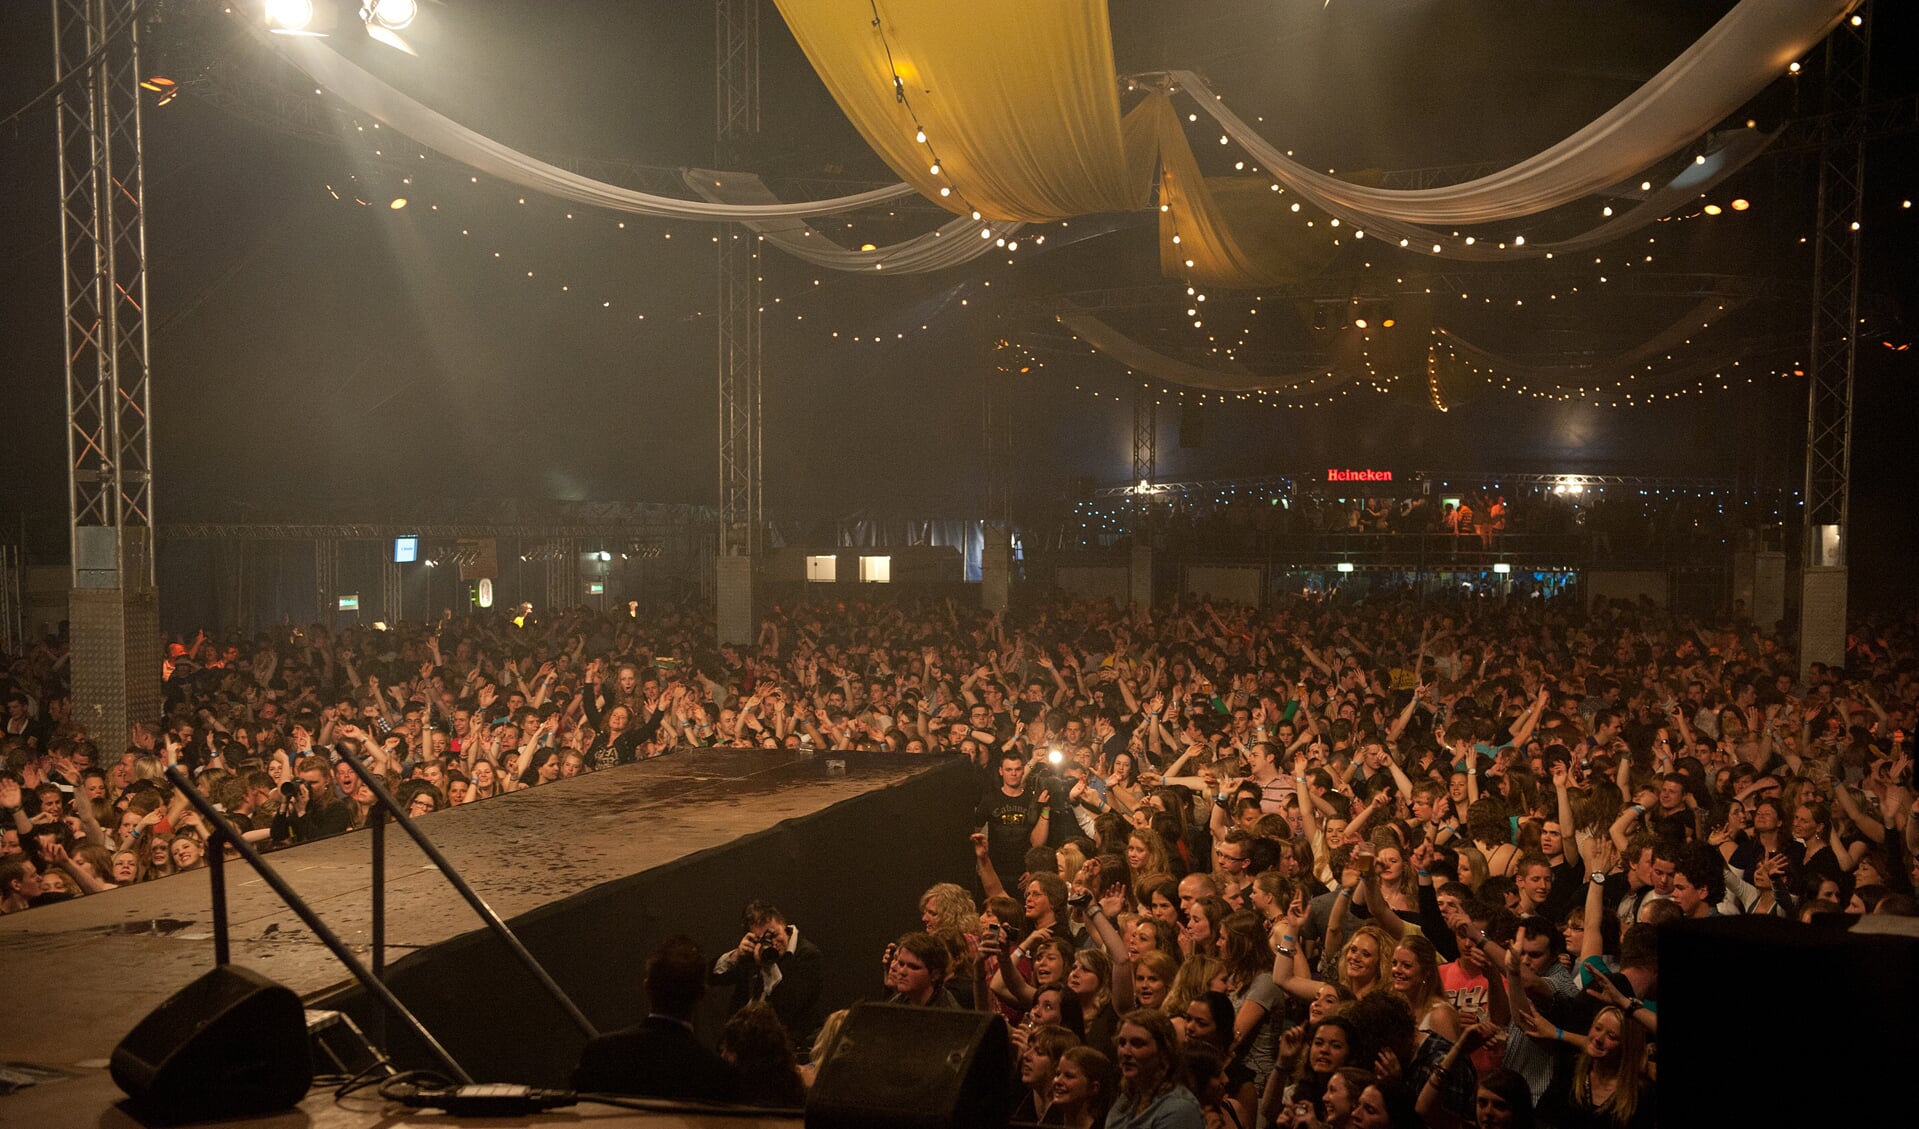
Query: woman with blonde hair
{"points": [[1153, 975], [1194, 979], [1414, 977], [1610, 1089], [947, 907], [1146, 853]]}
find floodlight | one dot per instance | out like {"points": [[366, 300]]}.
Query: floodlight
{"points": [[291, 17], [394, 15]]}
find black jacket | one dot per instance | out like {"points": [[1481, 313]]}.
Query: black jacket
{"points": [[797, 997], [659, 1058]]}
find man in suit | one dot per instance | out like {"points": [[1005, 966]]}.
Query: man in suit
{"points": [[774, 963], [660, 1058]]}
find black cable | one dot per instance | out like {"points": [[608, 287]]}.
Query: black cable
{"points": [[663, 1105], [364, 1078]]}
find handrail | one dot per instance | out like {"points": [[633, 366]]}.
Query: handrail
{"points": [[485, 912], [226, 835]]}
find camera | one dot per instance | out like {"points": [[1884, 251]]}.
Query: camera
{"points": [[766, 946], [291, 789]]}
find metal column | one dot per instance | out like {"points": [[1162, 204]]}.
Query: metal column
{"points": [[113, 606], [996, 450], [737, 113], [1145, 467], [1835, 333]]}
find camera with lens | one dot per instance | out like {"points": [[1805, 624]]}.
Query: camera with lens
{"points": [[766, 945]]}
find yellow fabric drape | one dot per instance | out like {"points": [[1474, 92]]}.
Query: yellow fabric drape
{"points": [[1233, 229], [1019, 100]]}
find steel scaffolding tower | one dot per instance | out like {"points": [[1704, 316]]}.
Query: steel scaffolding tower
{"points": [[113, 607], [737, 122], [1145, 448], [1834, 350]]}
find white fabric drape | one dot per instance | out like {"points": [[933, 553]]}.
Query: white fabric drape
{"points": [[1629, 364], [442, 134], [1150, 362], [1737, 58], [1726, 154], [955, 242]]}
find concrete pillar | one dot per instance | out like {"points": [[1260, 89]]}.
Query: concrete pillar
{"points": [[1742, 567], [1142, 576], [996, 568], [734, 589], [1822, 616], [1767, 600], [116, 661]]}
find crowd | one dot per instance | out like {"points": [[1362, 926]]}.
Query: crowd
{"points": [[1316, 865]]}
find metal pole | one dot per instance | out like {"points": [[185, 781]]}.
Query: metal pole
{"points": [[379, 894], [312, 921], [217, 878], [486, 914]]}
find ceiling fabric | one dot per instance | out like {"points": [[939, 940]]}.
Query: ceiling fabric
{"points": [[1726, 154], [1737, 58], [955, 242], [443, 135], [1019, 100], [1221, 225], [1146, 361], [1627, 365]]}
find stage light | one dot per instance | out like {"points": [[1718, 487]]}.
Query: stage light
{"points": [[1711, 209], [398, 203], [290, 17], [1388, 323], [1741, 204], [394, 15], [1359, 323]]}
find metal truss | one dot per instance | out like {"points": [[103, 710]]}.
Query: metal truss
{"points": [[737, 122], [1145, 443], [1307, 478], [103, 270], [1835, 271]]}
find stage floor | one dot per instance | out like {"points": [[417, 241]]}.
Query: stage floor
{"points": [[84, 972], [90, 1099]]}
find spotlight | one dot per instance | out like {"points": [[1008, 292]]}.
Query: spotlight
{"points": [[1741, 204], [398, 203], [1711, 209], [394, 15], [291, 17]]}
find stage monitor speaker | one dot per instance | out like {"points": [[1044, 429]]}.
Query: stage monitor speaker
{"points": [[230, 1044], [896, 1067], [1731, 987]]}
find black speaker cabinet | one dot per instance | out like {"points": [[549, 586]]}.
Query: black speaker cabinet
{"points": [[230, 1044], [896, 1067]]}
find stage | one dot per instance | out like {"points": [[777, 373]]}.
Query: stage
{"points": [[591, 872]]}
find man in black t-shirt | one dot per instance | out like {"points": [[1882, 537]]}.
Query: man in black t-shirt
{"points": [[1014, 820]]}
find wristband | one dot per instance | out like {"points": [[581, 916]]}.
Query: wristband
{"points": [[1346, 891], [1559, 1035]]}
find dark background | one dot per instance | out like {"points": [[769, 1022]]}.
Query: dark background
{"points": [[313, 353]]}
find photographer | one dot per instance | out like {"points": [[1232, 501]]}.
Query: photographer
{"points": [[311, 808], [774, 963]]}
